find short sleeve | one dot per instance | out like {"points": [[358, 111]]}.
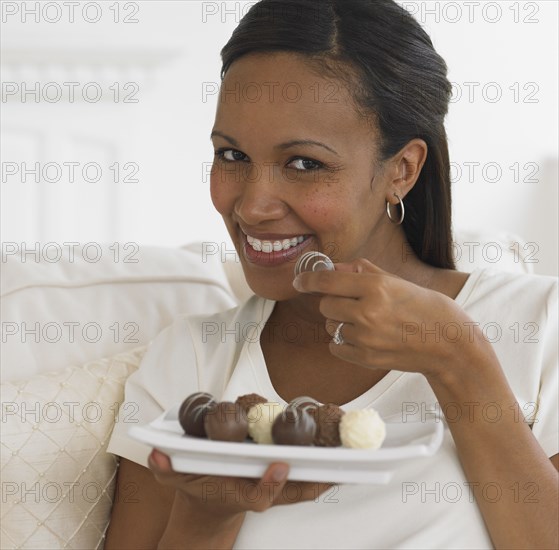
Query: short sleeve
{"points": [[546, 425], [166, 374]]}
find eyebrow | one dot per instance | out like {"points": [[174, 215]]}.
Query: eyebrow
{"points": [[282, 146]]}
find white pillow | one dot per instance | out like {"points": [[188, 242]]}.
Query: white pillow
{"points": [[57, 478], [110, 306]]}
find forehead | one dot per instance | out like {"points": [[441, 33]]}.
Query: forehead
{"points": [[279, 95]]}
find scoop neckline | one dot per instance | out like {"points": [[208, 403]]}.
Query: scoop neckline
{"points": [[364, 400]]}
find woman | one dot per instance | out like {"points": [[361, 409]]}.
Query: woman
{"points": [[329, 136]]}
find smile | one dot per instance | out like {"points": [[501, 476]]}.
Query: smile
{"points": [[274, 246]]}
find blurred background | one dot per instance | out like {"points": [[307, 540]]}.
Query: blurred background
{"points": [[107, 109]]}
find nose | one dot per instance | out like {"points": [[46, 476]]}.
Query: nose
{"points": [[259, 198]]}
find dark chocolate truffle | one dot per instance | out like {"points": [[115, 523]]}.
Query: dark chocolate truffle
{"points": [[293, 427], [328, 425], [192, 413], [249, 400], [305, 403], [226, 421]]}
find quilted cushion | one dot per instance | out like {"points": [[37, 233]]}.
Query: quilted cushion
{"points": [[57, 479]]}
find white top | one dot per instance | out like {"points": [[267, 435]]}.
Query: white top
{"points": [[428, 503]]}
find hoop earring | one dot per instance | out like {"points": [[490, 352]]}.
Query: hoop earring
{"points": [[402, 211]]}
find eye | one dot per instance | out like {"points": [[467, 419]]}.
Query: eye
{"points": [[305, 164], [230, 155]]}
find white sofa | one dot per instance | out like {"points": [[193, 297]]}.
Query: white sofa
{"points": [[72, 331]]}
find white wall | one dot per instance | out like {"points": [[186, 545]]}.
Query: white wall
{"points": [[172, 52]]}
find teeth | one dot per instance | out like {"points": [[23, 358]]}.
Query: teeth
{"points": [[276, 246]]}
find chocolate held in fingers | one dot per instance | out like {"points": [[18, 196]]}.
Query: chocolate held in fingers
{"points": [[313, 261]]}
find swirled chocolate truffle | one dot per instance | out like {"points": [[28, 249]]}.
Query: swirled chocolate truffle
{"points": [[192, 413], [249, 400], [293, 427], [226, 421], [305, 403], [328, 425]]}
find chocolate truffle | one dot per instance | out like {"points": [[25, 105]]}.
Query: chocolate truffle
{"points": [[192, 413], [305, 403], [226, 421], [260, 420], [294, 427], [249, 400], [328, 425]]}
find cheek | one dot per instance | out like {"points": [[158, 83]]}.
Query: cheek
{"points": [[326, 208], [221, 193]]}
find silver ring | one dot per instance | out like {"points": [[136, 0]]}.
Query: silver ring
{"points": [[338, 339]]}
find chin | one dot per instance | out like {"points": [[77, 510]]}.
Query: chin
{"points": [[271, 289]]}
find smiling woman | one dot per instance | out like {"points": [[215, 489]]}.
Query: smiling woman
{"points": [[329, 136]]}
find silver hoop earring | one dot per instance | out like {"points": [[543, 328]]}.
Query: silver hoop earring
{"points": [[402, 211]]}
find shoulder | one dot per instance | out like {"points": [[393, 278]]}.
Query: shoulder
{"points": [[193, 344], [510, 291]]}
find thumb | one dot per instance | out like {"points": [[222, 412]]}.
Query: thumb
{"points": [[159, 462]]}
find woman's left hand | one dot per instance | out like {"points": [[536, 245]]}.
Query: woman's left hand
{"points": [[390, 323]]}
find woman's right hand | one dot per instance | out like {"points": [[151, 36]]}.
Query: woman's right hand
{"points": [[234, 495], [208, 511]]}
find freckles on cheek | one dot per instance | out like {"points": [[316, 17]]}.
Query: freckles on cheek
{"points": [[324, 211]]}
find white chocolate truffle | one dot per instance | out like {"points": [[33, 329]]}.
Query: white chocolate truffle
{"points": [[260, 419], [363, 429]]}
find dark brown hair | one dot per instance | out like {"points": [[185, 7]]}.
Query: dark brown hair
{"points": [[401, 81]]}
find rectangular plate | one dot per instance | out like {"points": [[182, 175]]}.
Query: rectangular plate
{"points": [[404, 441]]}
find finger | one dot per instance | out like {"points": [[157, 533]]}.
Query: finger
{"points": [[159, 462], [335, 283], [337, 309], [278, 471], [268, 489], [345, 330]]}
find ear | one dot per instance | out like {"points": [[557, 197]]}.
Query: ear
{"points": [[407, 165]]}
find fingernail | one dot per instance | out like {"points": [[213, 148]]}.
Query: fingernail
{"points": [[280, 472], [297, 283], [155, 457]]}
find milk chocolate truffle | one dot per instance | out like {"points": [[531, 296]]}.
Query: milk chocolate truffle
{"points": [[294, 427], [260, 420], [249, 400], [226, 421], [192, 413], [362, 429], [328, 425]]}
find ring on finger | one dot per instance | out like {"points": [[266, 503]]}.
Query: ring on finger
{"points": [[338, 339]]}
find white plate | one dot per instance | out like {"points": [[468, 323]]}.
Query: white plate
{"points": [[404, 441]]}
